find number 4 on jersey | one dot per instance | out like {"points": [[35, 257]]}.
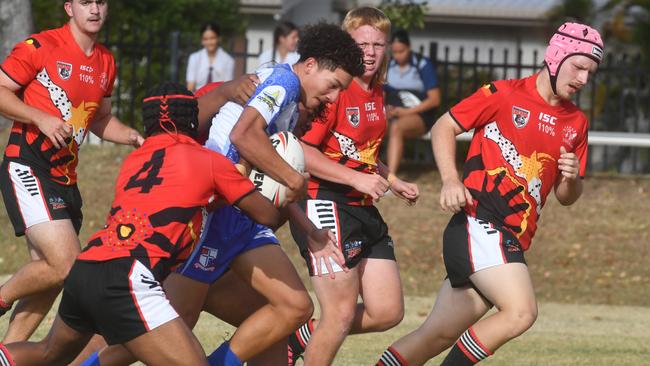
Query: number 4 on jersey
{"points": [[151, 168]]}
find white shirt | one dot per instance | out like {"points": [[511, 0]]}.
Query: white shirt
{"points": [[265, 57], [198, 67]]}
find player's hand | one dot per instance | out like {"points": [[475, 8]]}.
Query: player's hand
{"points": [[322, 245], [244, 88], [409, 192], [568, 164], [135, 138], [454, 196], [299, 189], [56, 129], [373, 185]]}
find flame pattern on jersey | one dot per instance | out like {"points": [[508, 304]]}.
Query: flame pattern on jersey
{"points": [[528, 168]]}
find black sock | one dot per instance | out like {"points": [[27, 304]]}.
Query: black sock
{"points": [[467, 351]]}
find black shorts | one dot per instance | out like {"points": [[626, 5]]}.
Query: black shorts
{"points": [[32, 198], [119, 299], [360, 231], [428, 117], [470, 245]]}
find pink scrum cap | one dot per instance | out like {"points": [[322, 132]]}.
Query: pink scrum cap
{"points": [[569, 40]]}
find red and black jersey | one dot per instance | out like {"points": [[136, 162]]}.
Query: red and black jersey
{"points": [[57, 77], [157, 213], [350, 133], [511, 165]]}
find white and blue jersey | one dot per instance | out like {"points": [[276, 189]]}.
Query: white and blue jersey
{"points": [[276, 99], [229, 232]]}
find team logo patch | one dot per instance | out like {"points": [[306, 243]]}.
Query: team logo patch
{"points": [[64, 69], [272, 97], [127, 228], [520, 116], [569, 134], [353, 115], [57, 203], [353, 248], [206, 259]]}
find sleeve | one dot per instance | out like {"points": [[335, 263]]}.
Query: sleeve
{"points": [[190, 74], [24, 61], [428, 74], [111, 78], [227, 180], [320, 127], [478, 109], [276, 92], [581, 149]]}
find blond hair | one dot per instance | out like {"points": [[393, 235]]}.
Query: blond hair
{"points": [[375, 18]]}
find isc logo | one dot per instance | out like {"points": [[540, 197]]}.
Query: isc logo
{"points": [[547, 118]]}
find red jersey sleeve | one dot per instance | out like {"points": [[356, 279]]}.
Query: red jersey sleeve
{"points": [[111, 79], [321, 126], [581, 149], [479, 108], [24, 61], [229, 183]]}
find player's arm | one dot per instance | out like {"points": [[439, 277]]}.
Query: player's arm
{"points": [[318, 165], [261, 210], [107, 127], [568, 186], [453, 195], [238, 91], [250, 138], [13, 108], [402, 189]]}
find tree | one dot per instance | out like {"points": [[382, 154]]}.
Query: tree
{"points": [[15, 25], [407, 14]]}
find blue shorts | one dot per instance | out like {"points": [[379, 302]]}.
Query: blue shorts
{"points": [[228, 233]]}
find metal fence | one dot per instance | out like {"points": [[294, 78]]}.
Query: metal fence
{"points": [[616, 99]]}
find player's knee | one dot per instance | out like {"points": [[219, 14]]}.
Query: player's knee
{"points": [[389, 317], [520, 319], [299, 309], [340, 318], [60, 269], [395, 129]]}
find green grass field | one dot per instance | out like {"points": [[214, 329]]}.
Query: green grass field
{"points": [[589, 263]]}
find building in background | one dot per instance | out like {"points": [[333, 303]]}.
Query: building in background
{"points": [[488, 24]]}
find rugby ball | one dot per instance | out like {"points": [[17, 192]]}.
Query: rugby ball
{"points": [[288, 147]]}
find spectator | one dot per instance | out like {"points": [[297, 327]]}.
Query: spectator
{"points": [[285, 43], [211, 63], [412, 94]]}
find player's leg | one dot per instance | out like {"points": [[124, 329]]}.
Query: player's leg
{"points": [[232, 300], [454, 311], [510, 289], [57, 245], [30, 311], [270, 272], [404, 127], [381, 290], [338, 300], [60, 346], [171, 343]]}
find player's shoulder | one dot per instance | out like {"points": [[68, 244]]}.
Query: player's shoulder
{"points": [[43, 41], [280, 74], [103, 50]]}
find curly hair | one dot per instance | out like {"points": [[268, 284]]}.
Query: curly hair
{"points": [[332, 48], [170, 107]]}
